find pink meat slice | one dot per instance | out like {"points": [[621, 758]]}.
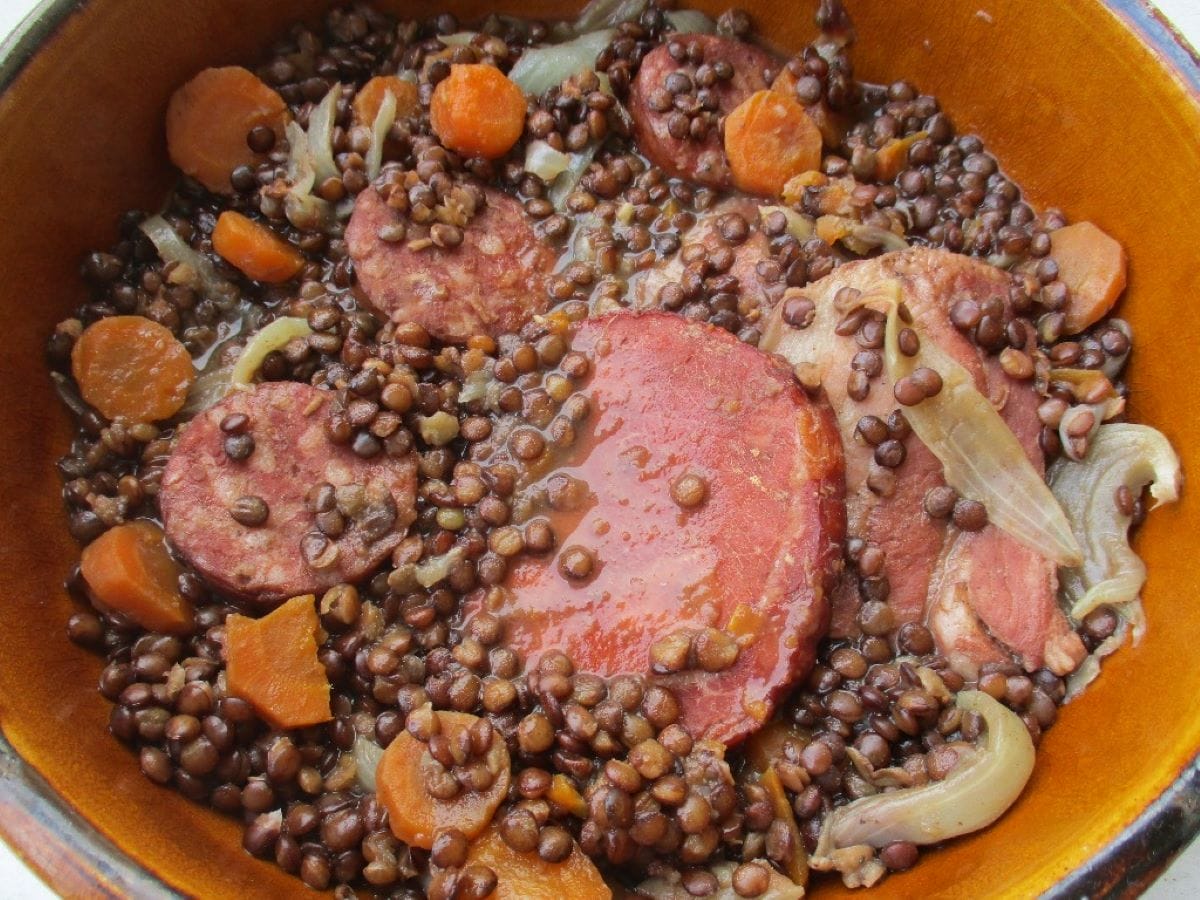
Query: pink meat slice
{"points": [[672, 397], [492, 283], [753, 290], [291, 456], [1016, 605], [703, 160]]}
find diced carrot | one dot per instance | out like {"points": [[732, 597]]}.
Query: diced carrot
{"points": [[129, 570], [795, 865], [1092, 266], [132, 367], [476, 110], [415, 816], [526, 876], [369, 98], [255, 249], [767, 744], [769, 139], [563, 795], [272, 664], [892, 157], [209, 119]]}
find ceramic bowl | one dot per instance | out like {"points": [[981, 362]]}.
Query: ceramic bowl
{"points": [[1093, 107]]}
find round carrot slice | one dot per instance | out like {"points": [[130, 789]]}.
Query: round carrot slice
{"points": [[416, 816], [370, 97], [210, 118], [129, 570], [254, 248], [476, 110], [710, 500], [769, 139], [132, 367], [526, 876]]}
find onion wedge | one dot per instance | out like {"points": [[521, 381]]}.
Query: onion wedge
{"points": [[972, 796], [980, 456]]}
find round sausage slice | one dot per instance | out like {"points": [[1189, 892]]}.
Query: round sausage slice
{"points": [[709, 495], [213, 496], [492, 283], [660, 125]]}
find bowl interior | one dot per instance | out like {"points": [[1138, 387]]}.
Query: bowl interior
{"points": [[1076, 107]]}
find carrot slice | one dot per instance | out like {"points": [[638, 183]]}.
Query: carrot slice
{"points": [[272, 664], [1092, 265], [370, 97], [209, 119], [416, 816], [769, 139], [255, 249], [132, 367], [831, 125], [476, 110], [129, 570], [526, 876]]}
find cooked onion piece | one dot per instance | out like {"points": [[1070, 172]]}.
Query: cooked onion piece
{"points": [[972, 796], [190, 267], [1122, 456], [542, 68], [980, 456], [273, 337]]}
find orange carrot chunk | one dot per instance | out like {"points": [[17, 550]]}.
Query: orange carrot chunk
{"points": [[526, 876], [255, 249], [132, 367], [892, 157], [272, 664], [1092, 265], [414, 814], [370, 97], [129, 570], [832, 125], [210, 118], [477, 111], [769, 139]]}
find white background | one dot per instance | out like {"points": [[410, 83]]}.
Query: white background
{"points": [[1180, 881]]}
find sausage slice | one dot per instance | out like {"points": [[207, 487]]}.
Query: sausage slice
{"points": [[660, 125], [747, 547], [492, 283], [366, 508]]}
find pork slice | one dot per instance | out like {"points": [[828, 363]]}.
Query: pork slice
{"points": [[979, 591]]}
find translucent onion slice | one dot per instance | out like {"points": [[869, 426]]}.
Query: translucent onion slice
{"points": [[568, 180], [607, 14], [542, 68], [691, 21], [545, 162], [191, 267], [981, 458], [273, 337], [1121, 455], [798, 226], [320, 135], [972, 796], [367, 755], [379, 132], [303, 209]]}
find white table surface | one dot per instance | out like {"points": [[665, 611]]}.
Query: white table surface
{"points": [[1182, 880]]}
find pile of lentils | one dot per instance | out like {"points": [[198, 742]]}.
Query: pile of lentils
{"points": [[653, 797]]}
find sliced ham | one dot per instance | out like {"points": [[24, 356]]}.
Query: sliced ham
{"points": [[979, 590]]}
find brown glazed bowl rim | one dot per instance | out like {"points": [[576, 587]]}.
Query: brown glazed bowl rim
{"points": [[34, 816]]}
